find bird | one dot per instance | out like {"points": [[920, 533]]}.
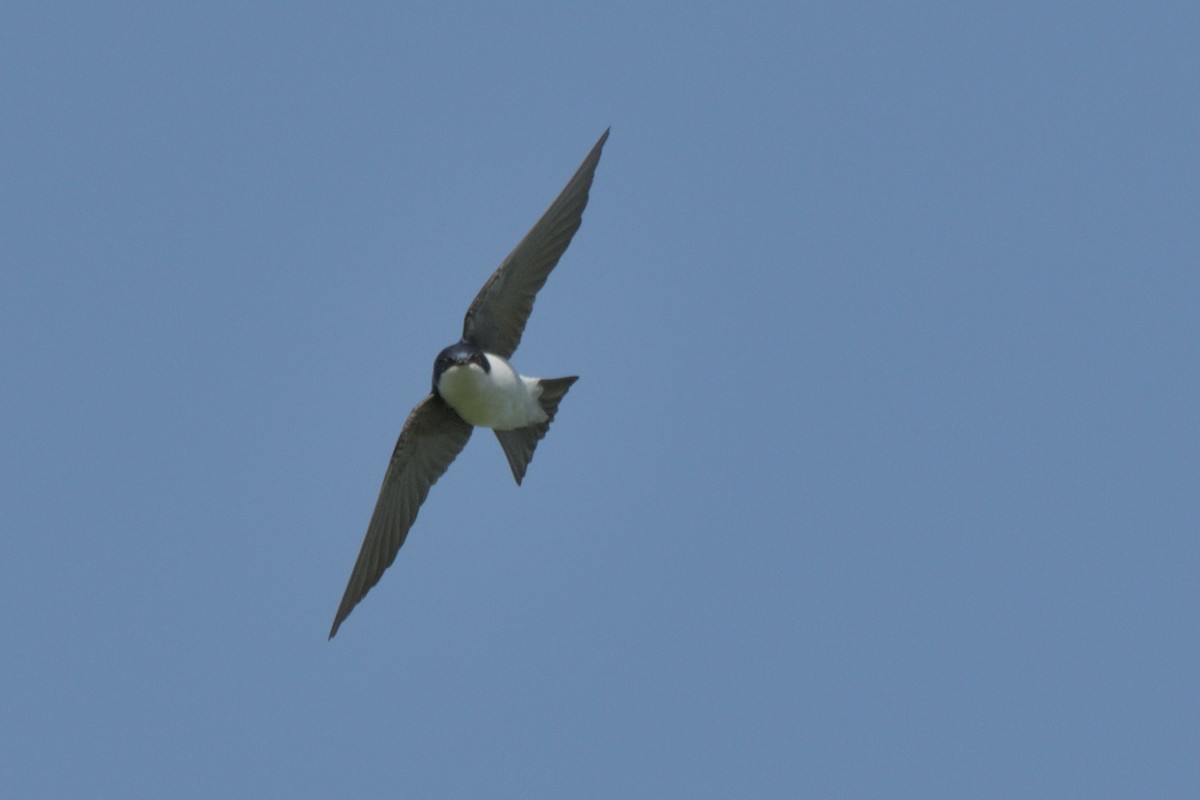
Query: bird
{"points": [[476, 386]]}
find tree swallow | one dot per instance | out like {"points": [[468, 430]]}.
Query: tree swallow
{"points": [[474, 385]]}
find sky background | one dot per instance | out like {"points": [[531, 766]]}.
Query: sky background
{"points": [[880, 478]]}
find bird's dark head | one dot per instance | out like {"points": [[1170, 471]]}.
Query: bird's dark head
{"points": [[457, 355]]}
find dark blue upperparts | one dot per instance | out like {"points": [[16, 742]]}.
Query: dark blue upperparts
{"points": [[459, 353]]}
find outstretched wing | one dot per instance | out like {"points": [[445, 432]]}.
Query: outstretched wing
{"points": [[432, 437], [498, 314]]}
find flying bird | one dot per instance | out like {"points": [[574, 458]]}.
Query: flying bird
{"points": [[474, 385]]}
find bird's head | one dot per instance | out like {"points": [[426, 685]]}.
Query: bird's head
{"points": [[459, 354]]}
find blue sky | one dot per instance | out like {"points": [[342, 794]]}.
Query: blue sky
{"points": [[880, 479]]}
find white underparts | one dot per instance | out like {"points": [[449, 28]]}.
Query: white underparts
{"points": [[500, 398]]}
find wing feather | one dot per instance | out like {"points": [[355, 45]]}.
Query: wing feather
{"points": [[431, 439], [497, 316]]}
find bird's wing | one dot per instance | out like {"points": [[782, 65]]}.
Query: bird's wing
{"points": [[432, 437], [498, 314]]}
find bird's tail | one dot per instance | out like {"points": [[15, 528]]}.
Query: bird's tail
{"points": [[519, 444]]}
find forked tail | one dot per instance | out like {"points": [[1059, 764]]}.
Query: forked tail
{"points": [[519, 444]]}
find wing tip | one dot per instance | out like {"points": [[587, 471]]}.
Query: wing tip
{"points": [[337, 623], [599, 143]]}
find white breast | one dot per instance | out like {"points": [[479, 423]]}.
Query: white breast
{"points": [[499, 399]]}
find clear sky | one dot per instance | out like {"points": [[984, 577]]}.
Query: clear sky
{"points": [[880, 478]]}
